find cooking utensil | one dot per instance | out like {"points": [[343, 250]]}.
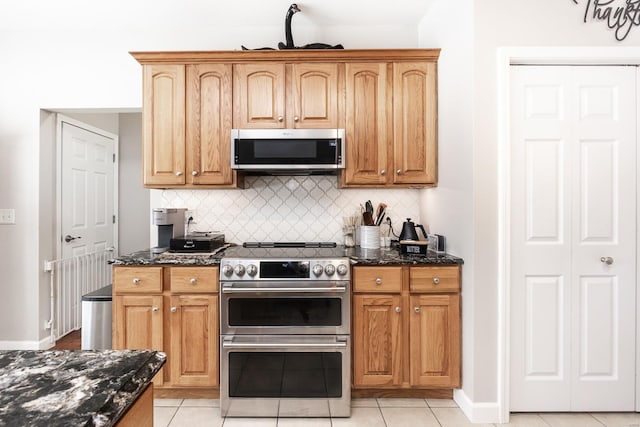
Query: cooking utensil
{"points": [[367, 218], [380, 213]]}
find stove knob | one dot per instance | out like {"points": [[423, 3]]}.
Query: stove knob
{"points": [[317, 269], [329, 269], [240, 270], [342, 269], [227, 270], [252, 270]]}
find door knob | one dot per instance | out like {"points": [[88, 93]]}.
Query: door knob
{"points": [[607, 260], [68, 238]]}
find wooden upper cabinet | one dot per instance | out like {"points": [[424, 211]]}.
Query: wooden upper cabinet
{"points": [[415, 117], [208, 124], [314, 96], [163, 124], [279, 96], [258, 96], [367, 123]]}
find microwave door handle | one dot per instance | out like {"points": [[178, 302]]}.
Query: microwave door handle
{"points": [[230, 289]]}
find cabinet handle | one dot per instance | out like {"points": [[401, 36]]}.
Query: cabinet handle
{"points": [[296, 119], [173, 309], [436, 280], [378, 281], [193, 281], [280, 118], [179, 173], [194, 173], [136, 281], [416, 309], [155, 309], [398, 309], [399, 171], [383, 172]]}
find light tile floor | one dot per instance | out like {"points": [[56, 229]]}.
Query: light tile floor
{"points": [[376, 413]]}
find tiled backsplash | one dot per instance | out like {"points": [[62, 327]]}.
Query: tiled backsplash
{"points": [[287, 208]]}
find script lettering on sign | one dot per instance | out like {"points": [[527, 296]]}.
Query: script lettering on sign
{"points": [[619, 15]]}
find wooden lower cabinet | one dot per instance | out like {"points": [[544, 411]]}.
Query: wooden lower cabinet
{"points": [[404, 339], [178, 316], [194, 340]]}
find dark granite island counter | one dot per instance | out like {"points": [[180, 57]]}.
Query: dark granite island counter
{"points": [[74, 388]]}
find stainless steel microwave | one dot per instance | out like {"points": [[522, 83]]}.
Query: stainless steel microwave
{"points": [[294, 150]]}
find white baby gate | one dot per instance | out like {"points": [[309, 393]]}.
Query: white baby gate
{"points": [[71, 278]]}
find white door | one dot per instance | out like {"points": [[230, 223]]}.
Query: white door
{"points": [[87, 200], [573, 238]]}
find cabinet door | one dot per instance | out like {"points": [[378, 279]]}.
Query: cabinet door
{"points": [[258, 96], [415, 117], [193, 356], [208, 116], [314, 96], [377, 358], [367, 124], [138, 322], [163, 124], [435, 340]]}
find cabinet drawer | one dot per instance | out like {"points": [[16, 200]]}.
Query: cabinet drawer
{"points": [[377, 279], [194, 279], [137, 279], [434, 279]]}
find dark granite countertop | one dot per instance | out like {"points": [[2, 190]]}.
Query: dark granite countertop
{"points": [[392, 256], [72, 388], [357, 255]]}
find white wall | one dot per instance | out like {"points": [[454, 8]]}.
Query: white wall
{"points": [[74, 55], [447, 209]]}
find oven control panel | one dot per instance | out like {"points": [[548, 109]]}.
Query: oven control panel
{"points": [[285, 269]]}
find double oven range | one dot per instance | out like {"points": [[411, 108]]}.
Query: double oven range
{"points": [[285, 331]]}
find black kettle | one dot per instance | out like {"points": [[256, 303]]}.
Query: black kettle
{"points": [[409, 230]]}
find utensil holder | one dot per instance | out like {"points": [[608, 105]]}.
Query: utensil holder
{"points": [[349, 236], [370, 237]]}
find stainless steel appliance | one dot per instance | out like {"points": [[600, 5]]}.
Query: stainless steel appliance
{"points": [[171, 223], [285, 331], [290, 151]]}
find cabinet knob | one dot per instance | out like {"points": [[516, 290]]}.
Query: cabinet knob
{"points": [[173, 309], [398, 309], [296, 119], [416, 309], [179, 173], [383, 172], [194, 173], [436, 280], [136, 281], [193, 281], [378, 281], [399, 171], [280, 118], [155, 309]]}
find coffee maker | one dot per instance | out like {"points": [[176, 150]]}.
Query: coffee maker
{"points": [[170, 222]]}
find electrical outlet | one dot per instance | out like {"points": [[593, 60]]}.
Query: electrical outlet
{"points": [[7, 216]]}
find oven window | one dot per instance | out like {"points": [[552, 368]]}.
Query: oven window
{"points": [[284, 374], [285, 311]]}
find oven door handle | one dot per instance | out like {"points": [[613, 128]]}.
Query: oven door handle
{"points": [[227, 344], [230, 289]]}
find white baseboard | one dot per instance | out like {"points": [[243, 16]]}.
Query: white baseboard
{"points": [[477, 412], [43, 344]]}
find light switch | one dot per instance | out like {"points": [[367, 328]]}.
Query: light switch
{"points": [[7, 216]]}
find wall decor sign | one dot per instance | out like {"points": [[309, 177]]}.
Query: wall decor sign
{"points": [[618, 15]]}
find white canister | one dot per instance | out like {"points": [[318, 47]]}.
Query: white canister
{"points": [[369, 236]]}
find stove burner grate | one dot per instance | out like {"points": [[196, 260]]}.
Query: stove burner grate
{"points": [[289, 244]]}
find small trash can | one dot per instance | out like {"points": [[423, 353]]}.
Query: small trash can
{"points": [[96, 320]]}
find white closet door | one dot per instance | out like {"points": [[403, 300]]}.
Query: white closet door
{"points": [[573, 199]]}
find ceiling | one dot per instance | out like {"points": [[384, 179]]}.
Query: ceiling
{"points": [[236, 13]]}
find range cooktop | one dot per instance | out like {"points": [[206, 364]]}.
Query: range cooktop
{"points": [[285, 250]]}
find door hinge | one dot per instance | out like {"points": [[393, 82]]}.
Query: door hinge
{"points": [[114, 157], [114, 219]]}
